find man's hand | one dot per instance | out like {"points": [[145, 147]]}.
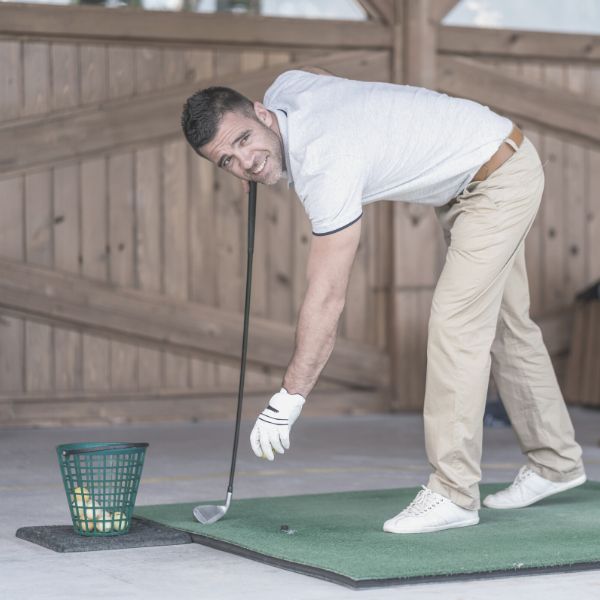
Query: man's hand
{"points": [[272, 428]]}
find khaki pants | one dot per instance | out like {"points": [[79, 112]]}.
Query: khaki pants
{"points": [[480, 321]]}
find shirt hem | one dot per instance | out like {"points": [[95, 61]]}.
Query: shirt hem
{"points": [[339, 228]]}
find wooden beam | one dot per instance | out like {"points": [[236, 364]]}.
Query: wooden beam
{"points": [[505, 43], [99, 128], [379, 10], [125, 25], [420, 43], [438, 9], [412, 278], [85, 408], [140, 317], [547, 105]]}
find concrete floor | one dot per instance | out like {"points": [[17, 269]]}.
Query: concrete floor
{"points": [[189, 462]]}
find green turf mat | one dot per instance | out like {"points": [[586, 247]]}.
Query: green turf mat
{"points": [[339, 537]]}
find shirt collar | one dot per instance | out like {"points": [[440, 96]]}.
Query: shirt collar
{"points": [[283, 129]]}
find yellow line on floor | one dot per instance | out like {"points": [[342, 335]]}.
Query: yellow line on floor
{"points": [[268, 473]]}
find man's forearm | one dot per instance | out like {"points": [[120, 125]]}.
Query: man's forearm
{"points": [[315, 338]]}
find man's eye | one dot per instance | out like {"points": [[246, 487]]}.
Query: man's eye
{"points": [[245, 138], [225, 162]]}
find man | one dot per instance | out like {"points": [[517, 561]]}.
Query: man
{"points": [[345, 143]]}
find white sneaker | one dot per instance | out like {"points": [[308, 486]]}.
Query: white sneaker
{"points": [[430, 511], [528, 488]]}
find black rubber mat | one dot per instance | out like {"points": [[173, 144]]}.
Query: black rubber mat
{"points": [[62, 538]]}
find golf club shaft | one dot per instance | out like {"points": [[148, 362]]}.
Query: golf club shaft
{"points": [[251, 227]]}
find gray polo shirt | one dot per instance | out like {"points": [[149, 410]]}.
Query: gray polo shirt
{"points": [[348, 143]]}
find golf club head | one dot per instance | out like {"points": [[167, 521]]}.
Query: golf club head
{"points": [[211, 513], [208, 514]]}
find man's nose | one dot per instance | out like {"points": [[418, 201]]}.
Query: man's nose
{"points": [[246, 160]]}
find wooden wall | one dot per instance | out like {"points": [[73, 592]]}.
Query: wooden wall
{"points": [[563, 247], [153, 217]]}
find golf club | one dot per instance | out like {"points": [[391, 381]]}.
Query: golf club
{"points": [[207, 514]]}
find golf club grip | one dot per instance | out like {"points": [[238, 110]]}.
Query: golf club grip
{"points": [[251, 228]]}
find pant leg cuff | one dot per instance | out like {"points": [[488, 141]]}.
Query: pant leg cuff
{"points": [[462, 499], [557, 476]]}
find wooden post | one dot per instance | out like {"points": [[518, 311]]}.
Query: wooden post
{"points": [[414, 226]]}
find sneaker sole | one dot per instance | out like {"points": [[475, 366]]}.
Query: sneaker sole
{"points": [[568, 485], [439, 528]]}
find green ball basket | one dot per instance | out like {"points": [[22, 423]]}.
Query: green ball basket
{"points": [[101, 482]]}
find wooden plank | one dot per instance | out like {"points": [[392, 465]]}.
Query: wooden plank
{"points": [[37, 216], [12, 330], [65, 70], [36, 78], [550, 106], [278, 215], [148, 250], [198, 65], [591, 353], [230, 207], [157, 320], [401, 349], [10, 78], [121, 71], [18, 410], [202, 254], [419, 44], [595, 383], [573, 379], [39, 367], [121, 244], [68, 374], [94, 242], [575, 166], [93, 73], [553, 221], [593, 198], [121, 123], [593, 215], [474, 42], [177, 369], [230, 30], [173, 66], [380, 268], [175, 246], [148, 70], [534, 248], [554, 196]]}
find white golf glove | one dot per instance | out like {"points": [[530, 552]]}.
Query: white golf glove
{"points": [[272, 428]]}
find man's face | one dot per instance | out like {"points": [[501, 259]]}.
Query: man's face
{"points": [[248, 148]]}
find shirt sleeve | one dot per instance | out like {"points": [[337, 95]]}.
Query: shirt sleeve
{"points": [[332, 198]]}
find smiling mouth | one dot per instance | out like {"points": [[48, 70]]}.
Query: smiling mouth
{"points": [[260, 167]]}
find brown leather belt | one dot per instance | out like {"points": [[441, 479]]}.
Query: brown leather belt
{"points": [[500, 157]]}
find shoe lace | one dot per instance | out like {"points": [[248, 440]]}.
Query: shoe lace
{"points": [[522, 475], [424, 501]]}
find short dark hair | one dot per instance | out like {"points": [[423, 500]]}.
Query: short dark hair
{"points": [[204, 110]]}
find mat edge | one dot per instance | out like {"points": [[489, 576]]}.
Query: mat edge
{"points": [[360, 584]]}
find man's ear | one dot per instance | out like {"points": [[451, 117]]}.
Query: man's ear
{"points": [[263, 114]]}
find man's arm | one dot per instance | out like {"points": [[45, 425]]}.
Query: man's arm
{"points": [[328, 272]]}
